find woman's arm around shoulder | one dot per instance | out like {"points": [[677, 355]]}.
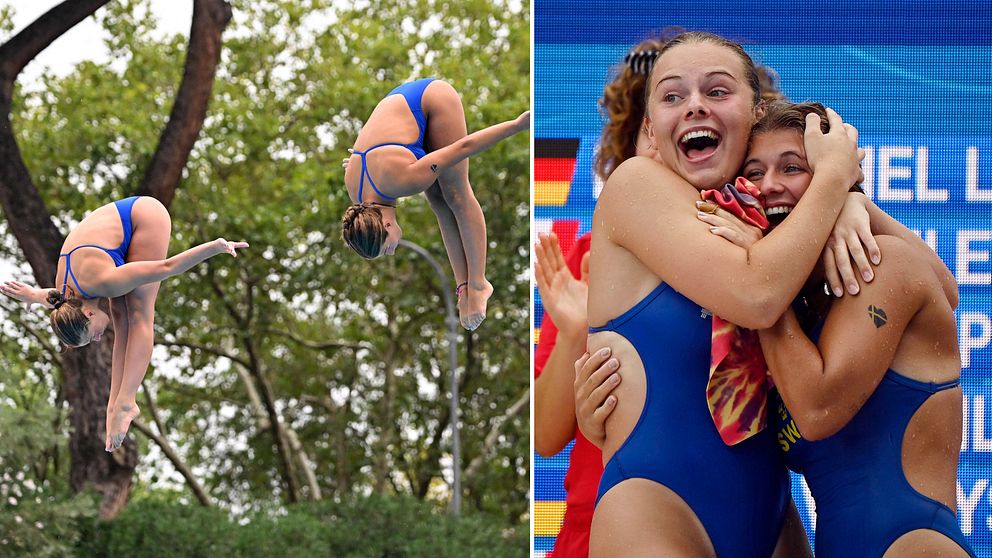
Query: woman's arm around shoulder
{"points": [[648, 210]]}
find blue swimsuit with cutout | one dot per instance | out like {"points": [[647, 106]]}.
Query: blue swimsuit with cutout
{"points": [[413, 92], [863, 500], [117, 254], [738, 492]]}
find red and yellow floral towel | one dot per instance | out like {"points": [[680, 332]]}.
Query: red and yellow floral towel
{"points": [[737, 391]]}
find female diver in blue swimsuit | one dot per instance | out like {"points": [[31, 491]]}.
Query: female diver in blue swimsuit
{"points": [[671, 486], [129, 276], [872, 403], [428, 115]]}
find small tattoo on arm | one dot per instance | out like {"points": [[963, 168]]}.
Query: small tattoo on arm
{"points": [[434, 168], [877, 315]]}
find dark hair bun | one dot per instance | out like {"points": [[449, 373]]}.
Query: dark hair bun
{"points": [[55, 298], [351, 214]]}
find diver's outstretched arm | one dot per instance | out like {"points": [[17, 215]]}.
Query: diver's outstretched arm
{"points": [[426, 170], [121, 280], [25, 293]]}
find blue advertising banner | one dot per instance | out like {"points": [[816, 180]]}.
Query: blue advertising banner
{"points": [[914, 77]]}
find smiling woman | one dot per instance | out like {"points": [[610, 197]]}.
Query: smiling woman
{"points": [[129, 276], [702, 100]]}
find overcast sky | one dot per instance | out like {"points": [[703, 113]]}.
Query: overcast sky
{"points": [[85, 41]]}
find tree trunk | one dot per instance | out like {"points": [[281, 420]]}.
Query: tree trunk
{"points": [[87, 371], [189, 109]]}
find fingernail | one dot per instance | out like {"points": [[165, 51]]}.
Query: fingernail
{"points": [[604, 351], [613, 363], [611, 400], [614, 378], [868, 275], [875, 259], [712, 229], [852, 288], [699, 203], [699, 214], [838, 292]]}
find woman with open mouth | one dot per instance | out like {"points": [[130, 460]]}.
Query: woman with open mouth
{"points": [[673, 484], [870, 409]]}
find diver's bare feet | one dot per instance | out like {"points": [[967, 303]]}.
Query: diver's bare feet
{"points": [[472, 304], [106, 438], [460, 292], [120, 421]]}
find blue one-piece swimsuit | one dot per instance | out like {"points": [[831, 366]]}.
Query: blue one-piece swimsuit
{"points": [[118, 254], [413, 93], [738, 492], [863, 500]]}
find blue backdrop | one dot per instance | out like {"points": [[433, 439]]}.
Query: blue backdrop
{"points": [[914, 77]]}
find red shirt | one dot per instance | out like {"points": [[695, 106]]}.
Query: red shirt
{"points": [[585, 465]]}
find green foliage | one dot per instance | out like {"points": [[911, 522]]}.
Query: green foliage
{"points": [[156, 528], [395, 526], [354, 352], [37, 517]]}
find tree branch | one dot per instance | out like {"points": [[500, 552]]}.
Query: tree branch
{"points": [[50, 351], [176, 461], [305, 463], [493, 436], [318, 346], [239, 320], [326, 402], [26, 45], [153, 408], [268, 399], [207, 349]]}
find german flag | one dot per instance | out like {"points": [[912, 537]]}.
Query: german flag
{"points": [[554, 166]]}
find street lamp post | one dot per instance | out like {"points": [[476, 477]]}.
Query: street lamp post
{"points": [[452, 322]]}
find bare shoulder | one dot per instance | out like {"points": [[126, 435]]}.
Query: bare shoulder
{"points": [[901, 257], [903, 269], [642, 179]]}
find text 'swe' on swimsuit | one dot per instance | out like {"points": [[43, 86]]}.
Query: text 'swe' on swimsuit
{"points": [[738, 492], [863, 500], [124, 208], [413, 92]]}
